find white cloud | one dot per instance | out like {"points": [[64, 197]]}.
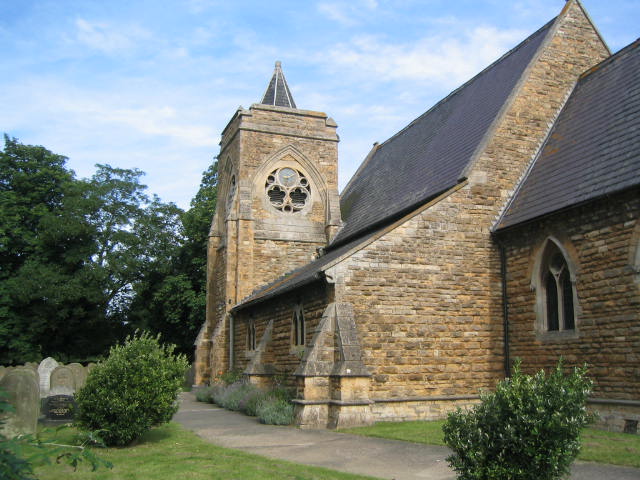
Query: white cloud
{"points": [[347, 14], [444, 61], [108, 38]]}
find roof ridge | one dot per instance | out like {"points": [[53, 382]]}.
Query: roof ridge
{"points": [[471, 80]]}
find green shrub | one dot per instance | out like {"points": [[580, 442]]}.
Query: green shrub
{"points": [[232, 376], [275, 411], [249, 404], [232, 396], [204, 395], [528, 429], [134, 389]]}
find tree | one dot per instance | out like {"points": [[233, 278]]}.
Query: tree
{"points": [[171, 299], [84, 262], [48, 292]]}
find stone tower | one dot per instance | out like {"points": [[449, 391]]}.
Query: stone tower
{"points": [[277, 204]]}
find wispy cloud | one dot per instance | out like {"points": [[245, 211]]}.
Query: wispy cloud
{"points": [[109, 38], [441, 60], [347, 14]]}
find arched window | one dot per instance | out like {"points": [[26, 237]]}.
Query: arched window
{"points": [[251, 334], [297, 326], [556, 291]]}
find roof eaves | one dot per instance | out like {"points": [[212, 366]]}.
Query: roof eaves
{"points": [[528, 221], [272, 291]]}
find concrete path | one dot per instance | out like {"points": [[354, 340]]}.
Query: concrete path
{"points": [[389, 459]]}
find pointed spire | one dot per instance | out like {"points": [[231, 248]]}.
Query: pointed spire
{"points": [[278, 92]]}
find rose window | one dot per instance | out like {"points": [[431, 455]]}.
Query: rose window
{"points": [[288, 190]]}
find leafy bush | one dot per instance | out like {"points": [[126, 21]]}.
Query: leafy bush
{"points": [[270, 406], [249, 404], [528, 429], [232, 376], [134, 389], [204, 395], [232, 397], [275, 411]]}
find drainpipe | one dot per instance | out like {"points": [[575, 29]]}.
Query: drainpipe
{"points": [[505, 307], [231, 330]]}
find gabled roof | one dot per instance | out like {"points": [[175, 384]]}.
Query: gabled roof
{"points": [[430, 155], [593, 148], [301, 276], [278, 92]]}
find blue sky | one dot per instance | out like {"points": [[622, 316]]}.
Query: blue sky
{"points": [[151, 84]]}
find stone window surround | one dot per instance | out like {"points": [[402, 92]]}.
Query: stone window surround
{"points": [[634, 255], [298, 330], [231, 192], [538, 286], [308, 187], [251, 335]]}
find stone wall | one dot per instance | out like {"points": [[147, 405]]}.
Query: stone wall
{"points": [[280, 351], [252, 243], [426, 293], [600, 239]]}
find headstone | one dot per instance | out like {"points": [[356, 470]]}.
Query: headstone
{"points": [[31, 365], [45, 368], [79, 374], [31, 371], [3, 370], [62, 381], [59, 408], [23, 393]]}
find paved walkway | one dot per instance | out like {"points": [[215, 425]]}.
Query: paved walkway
{"points": [[381, 458]]}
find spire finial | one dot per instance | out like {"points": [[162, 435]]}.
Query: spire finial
{"points": [[278, 93]]}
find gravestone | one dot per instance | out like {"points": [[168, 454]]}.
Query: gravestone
{"points": [[62, 381], [44, 369], [22, 390], [79, 374], [31, 370], [3, 370], [59, 408]]}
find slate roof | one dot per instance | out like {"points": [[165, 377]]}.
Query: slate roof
{"points": [[302, 276], [430, 155], [421, 161], [278, 92], [593, 148]]}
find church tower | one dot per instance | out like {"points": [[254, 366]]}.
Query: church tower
{"points": [[277, 204]]}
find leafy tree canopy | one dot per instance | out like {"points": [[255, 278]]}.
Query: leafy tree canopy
{"points": [[85, 261]]}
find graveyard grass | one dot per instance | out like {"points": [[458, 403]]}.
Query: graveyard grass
{"points": [[170, 452], [597, 445]]}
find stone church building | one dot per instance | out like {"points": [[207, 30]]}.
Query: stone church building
{"points": [[502, 223]]}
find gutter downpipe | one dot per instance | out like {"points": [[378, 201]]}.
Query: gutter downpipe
{"points": [[231, 339], [505, 307]]}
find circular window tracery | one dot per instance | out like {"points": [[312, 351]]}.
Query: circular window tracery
{"points": [[288, 189]]}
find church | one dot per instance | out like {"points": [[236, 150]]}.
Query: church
{"points": [[502, 223]]}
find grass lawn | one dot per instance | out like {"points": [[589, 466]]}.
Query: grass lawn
{"points": [[171, 452], [597, 445]]}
